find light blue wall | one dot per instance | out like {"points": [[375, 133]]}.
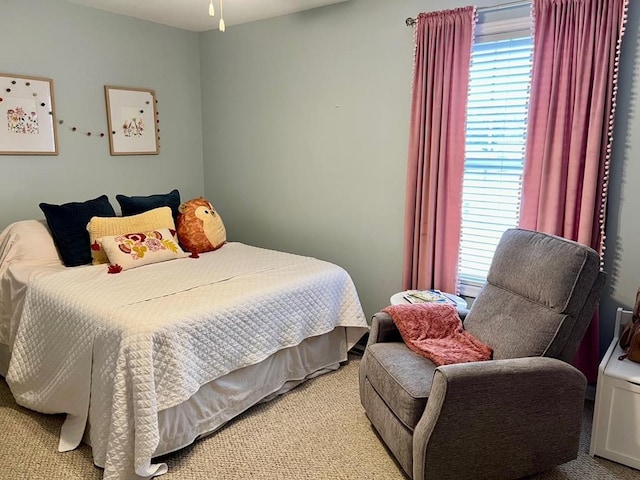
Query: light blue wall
{"points": [[305, 123], [82, 49], [622, 256]]}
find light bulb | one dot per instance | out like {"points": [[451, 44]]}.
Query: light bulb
{"points": [[221, 27], [212, 12]]}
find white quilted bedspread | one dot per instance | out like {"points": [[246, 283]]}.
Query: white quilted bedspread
{"points": [[146, 339]]}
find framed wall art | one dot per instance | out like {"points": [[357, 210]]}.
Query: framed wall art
{"points": [[27, 116], [132, 118]]}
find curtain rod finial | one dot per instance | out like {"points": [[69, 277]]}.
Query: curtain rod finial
{"points": [[410, 22]]}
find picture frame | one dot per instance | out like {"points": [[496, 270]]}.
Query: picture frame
{"points": [[27, 116], [132, 119]]}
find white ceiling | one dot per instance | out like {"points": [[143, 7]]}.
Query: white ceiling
{"points": [[194, 14]]}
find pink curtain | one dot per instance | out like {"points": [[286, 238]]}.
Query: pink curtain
{"points": [[572, 106], [443, 42]]}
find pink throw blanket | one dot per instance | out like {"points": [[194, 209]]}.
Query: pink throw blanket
{"points": [[435, 331]]}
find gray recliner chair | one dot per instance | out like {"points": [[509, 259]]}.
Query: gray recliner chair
{"points": [[506, 418]]}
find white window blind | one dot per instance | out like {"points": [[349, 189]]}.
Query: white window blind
{"points": [[495, 140]]}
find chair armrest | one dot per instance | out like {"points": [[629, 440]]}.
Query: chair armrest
{"points": [[383, 329], [515, 417]]}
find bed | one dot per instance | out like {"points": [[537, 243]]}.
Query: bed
{"points": [[145, 362]]}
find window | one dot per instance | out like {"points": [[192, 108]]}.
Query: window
{"points": [[494, 154]]}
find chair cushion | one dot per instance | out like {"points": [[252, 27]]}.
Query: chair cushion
{"points": [[551, 271], [402, 378], [535, 291], [514, 326]]}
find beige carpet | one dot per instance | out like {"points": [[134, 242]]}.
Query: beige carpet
{"points": [[317, 431]]}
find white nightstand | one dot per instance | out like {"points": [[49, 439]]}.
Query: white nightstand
{"points": [[616, 417]]}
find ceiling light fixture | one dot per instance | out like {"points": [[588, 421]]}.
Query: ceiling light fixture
{"points": [[221, 27], [212, 13]]}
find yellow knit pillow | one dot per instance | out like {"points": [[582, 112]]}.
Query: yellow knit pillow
{"points": [[109, 226]]}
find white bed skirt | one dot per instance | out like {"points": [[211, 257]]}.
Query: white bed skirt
{"points": [[226, 397], [4, 359]]}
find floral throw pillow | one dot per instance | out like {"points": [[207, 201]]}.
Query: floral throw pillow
{"points": [[136, 249]]}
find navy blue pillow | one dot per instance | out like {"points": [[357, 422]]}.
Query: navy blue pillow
{"points": [[68, 225], [135, 205]]}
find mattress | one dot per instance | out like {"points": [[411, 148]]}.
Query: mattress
{"points": [[262, 289]]}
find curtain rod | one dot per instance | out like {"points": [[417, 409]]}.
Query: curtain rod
{"points": [[410, 22]]}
